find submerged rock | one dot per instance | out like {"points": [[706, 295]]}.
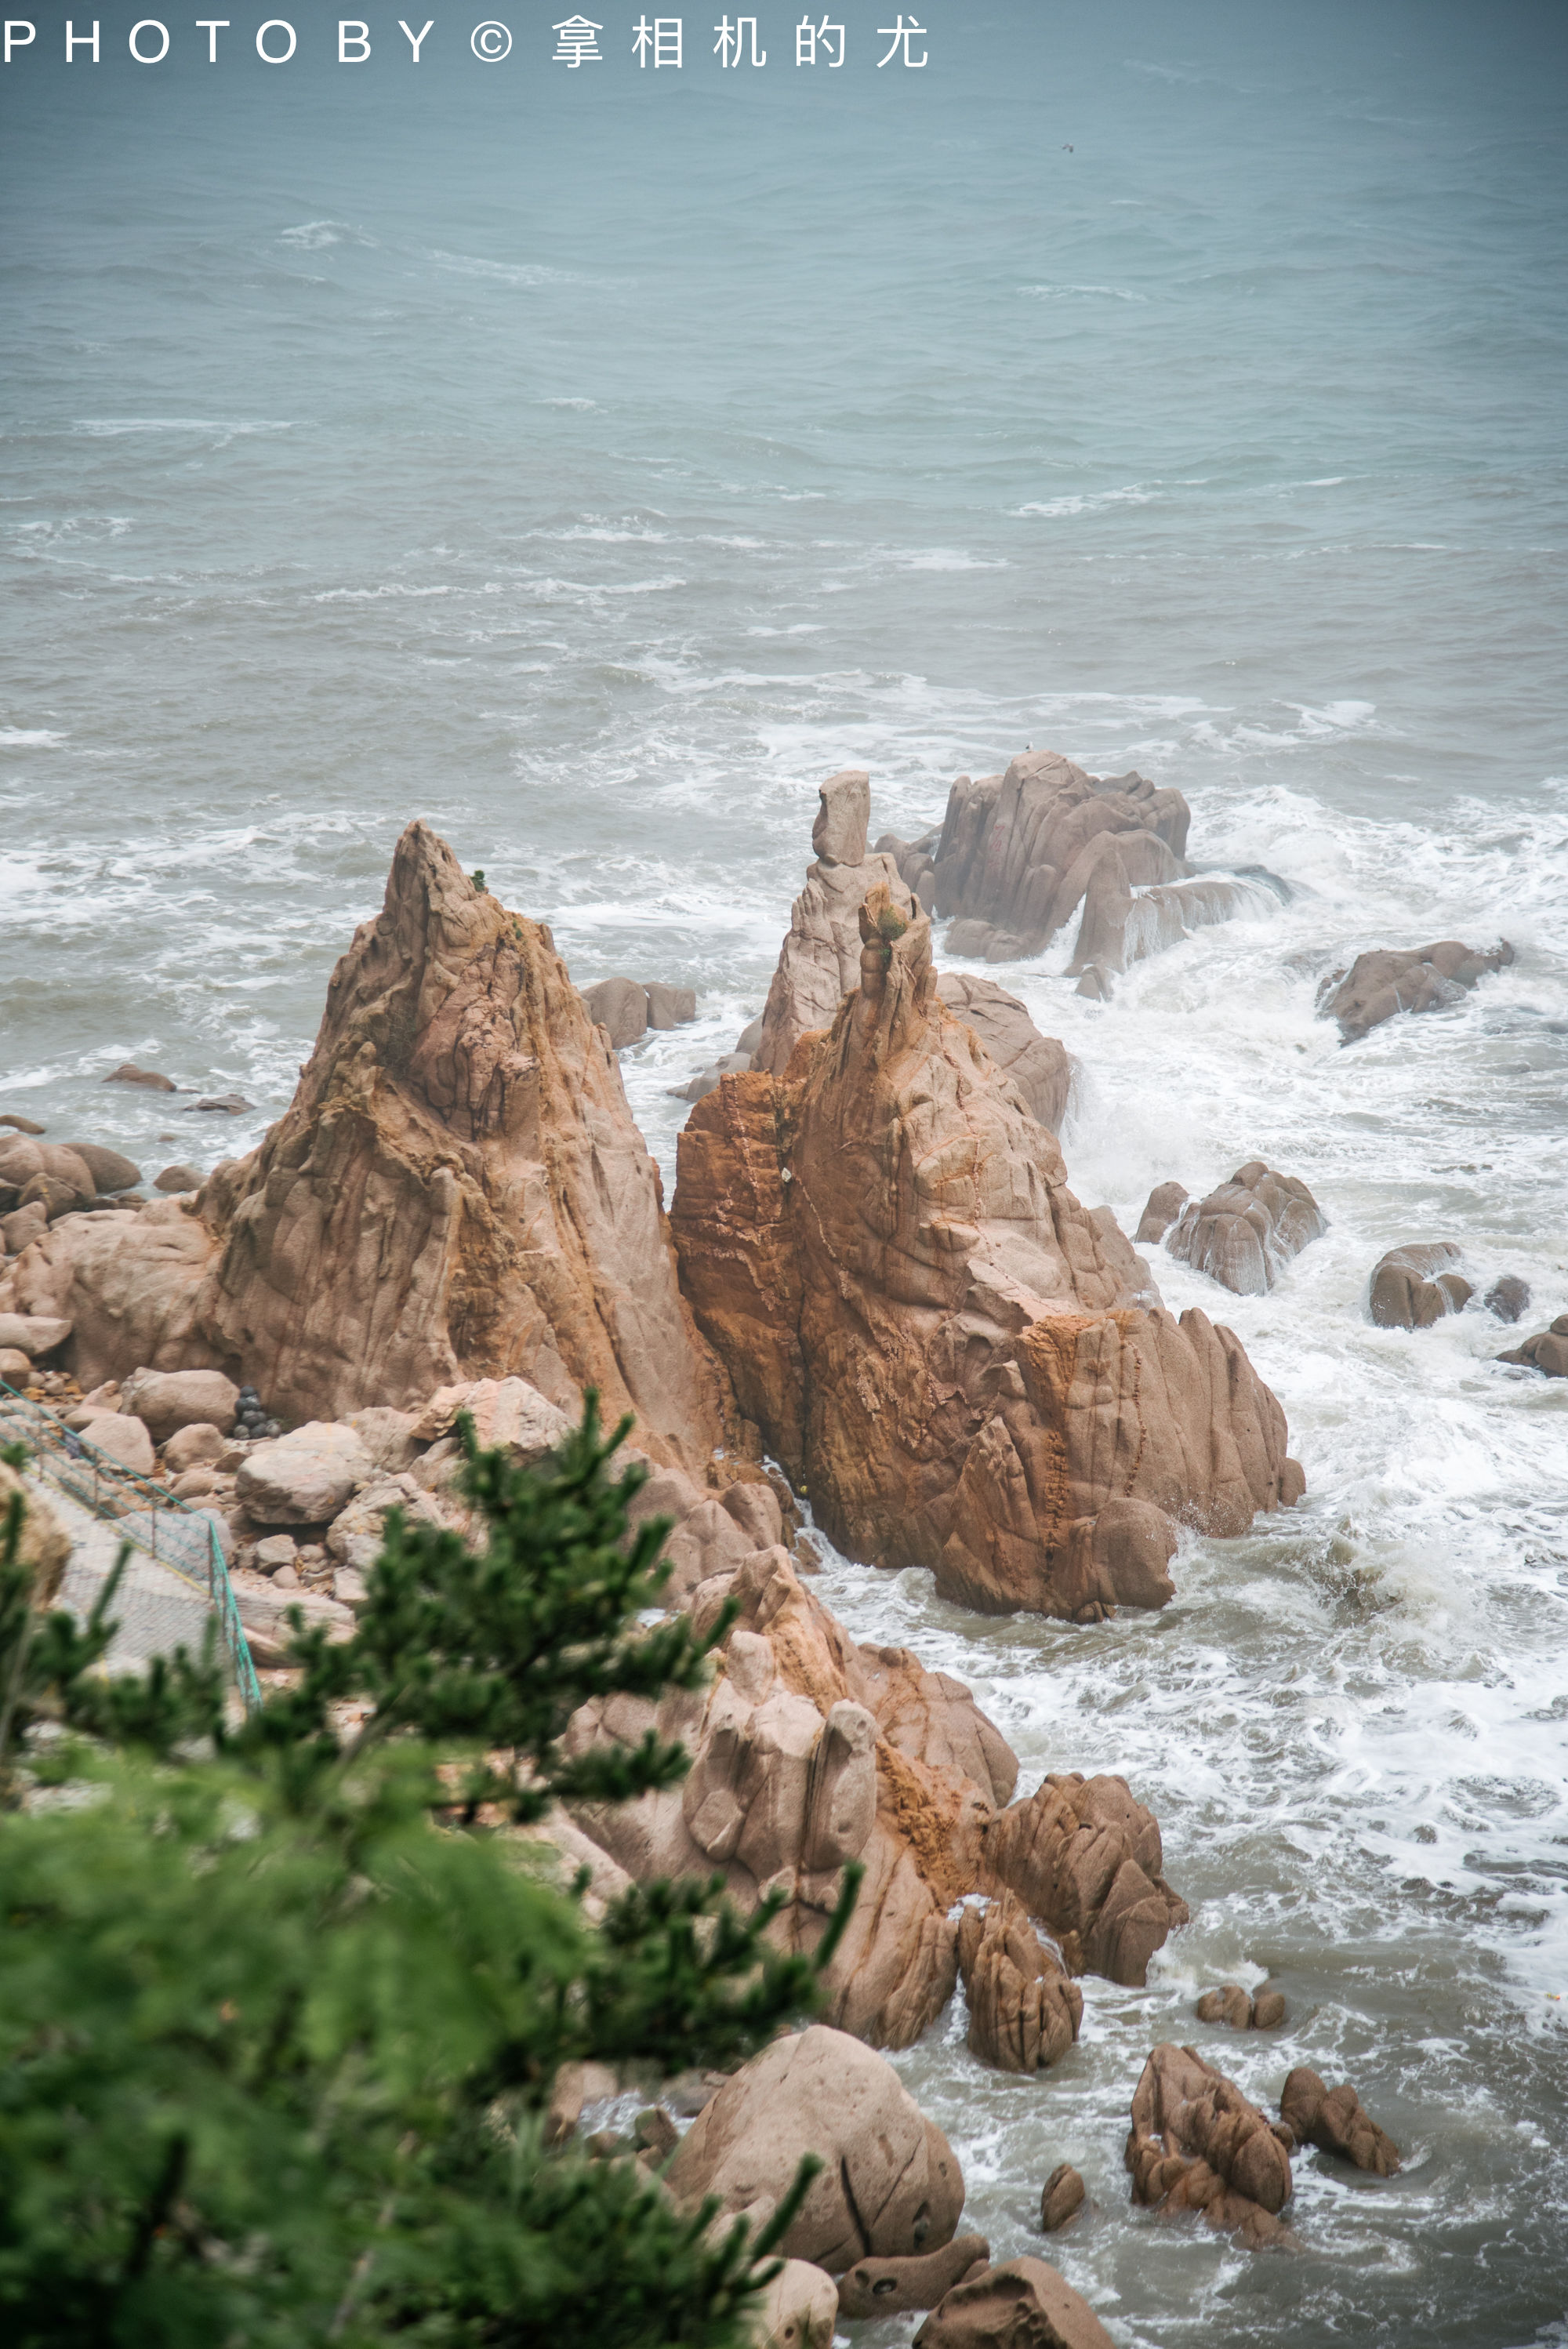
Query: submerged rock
{"points": [[1335, 2120], [1087, 1859], [1061, 2198], [1243, 1234], [1238, 2011], [1023, 2304], [1416, 1285], [935, 1338], [1198, 2144], [1387, 979], [1023, 2013], [1547, 1351], [1508, 1297], [128, 1073], [890, 2185]]}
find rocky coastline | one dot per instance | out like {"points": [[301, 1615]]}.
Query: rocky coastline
{"points": [[873, 1290]]}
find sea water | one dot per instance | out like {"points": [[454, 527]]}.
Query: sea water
{"points": [[590, 462]]}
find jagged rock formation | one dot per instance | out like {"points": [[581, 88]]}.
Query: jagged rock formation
{"points": [[890, 2183], [1386, 980], [810, 1752], [819, 958], [1416, 1285], [1546, 1351], [1086, 1858], [955, 1357], [1243, 1234], [1023, 2013], [1335, 2120], [1038, 1065], [1018, 850], [1197, 2143], [916, 861], [457, 1191]]}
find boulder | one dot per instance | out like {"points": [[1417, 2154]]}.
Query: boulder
{"points": [[131, 1286], [1040, 1067], [1023, 2304], [178, 1178], [303, 1478], [1388, 979], [1197, 2143], [356, 1534], [874, 2287], [1508, 1297], [669, 1006], [1246, 1232], [1023, 2013], [1086, 1858], [387, 1435], [128, 1073], [1011, 844], [274, 1552], [43, 1545], [53, 1193], [125, 1439], [22, 1226], [706, 1080], [47, 1171], [14, 1367], [916, 862], [264, 1608], [1061, 2198], [1165, 1204], [955, 1358], [1414, 1286], [21, 1124], [109, 1170], [819, 962], [799, 2309], [1120, 928], [1547, 1351], [197, 1443], [1334, 2119], [809, 1752], [1238, 2011], [33, 1334], [218, 1105], [620, 1007], [507, 1414], [193, 1483], [890, 2185], [171, 1400]]}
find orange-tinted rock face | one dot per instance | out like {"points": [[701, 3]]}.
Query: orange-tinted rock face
{"points": [[962, 1365], [457, 1189]]}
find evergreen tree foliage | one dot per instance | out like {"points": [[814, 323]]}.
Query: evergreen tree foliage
{"points": [[282, 1998]]}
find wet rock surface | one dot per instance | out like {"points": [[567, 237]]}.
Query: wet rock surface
{"points": [[933, 1334], [1023, 2013], [1387, 979], [1086, 1858], [1245, 1232], [1023, 2304], [1334, 2120], [872, 2287], [1414, 1286], [1198, 2144], [1546, 1351]]}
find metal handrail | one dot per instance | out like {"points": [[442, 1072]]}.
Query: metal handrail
{"points": [[110, 1490]]}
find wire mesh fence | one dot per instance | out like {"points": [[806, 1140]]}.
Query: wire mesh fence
{"points": [[176, 1579]]}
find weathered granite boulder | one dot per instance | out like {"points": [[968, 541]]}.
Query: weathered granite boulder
{"points": [[1388, 979], [1547, 1351], [178, 1178], [506, 1413], [1086, 1858], [129, 1285], [1197, 2143], [33, 1334], [890, 2185], [171, 1400], [196, 1445], [620, 1007], [23, 1160], [1011, 844], [111, 1170], [1023, 2013], [1041, 1067], [356, 1533], [874, 2287], [809, 1752], [1244, 1234], [669, 1006], [128, 1073], [952, 1356], [1508, 1297], [799, 2309], [916, 861], [1061, 2198], [1120, 928], [818, 961], [124, 1438], [1334, 2119], [303, 1478], [1414, 1286], [1237, 2010], [1023, 2304], [1165, 1204]]}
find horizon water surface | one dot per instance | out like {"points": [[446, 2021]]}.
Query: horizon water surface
{"points": [[592, 465]]}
